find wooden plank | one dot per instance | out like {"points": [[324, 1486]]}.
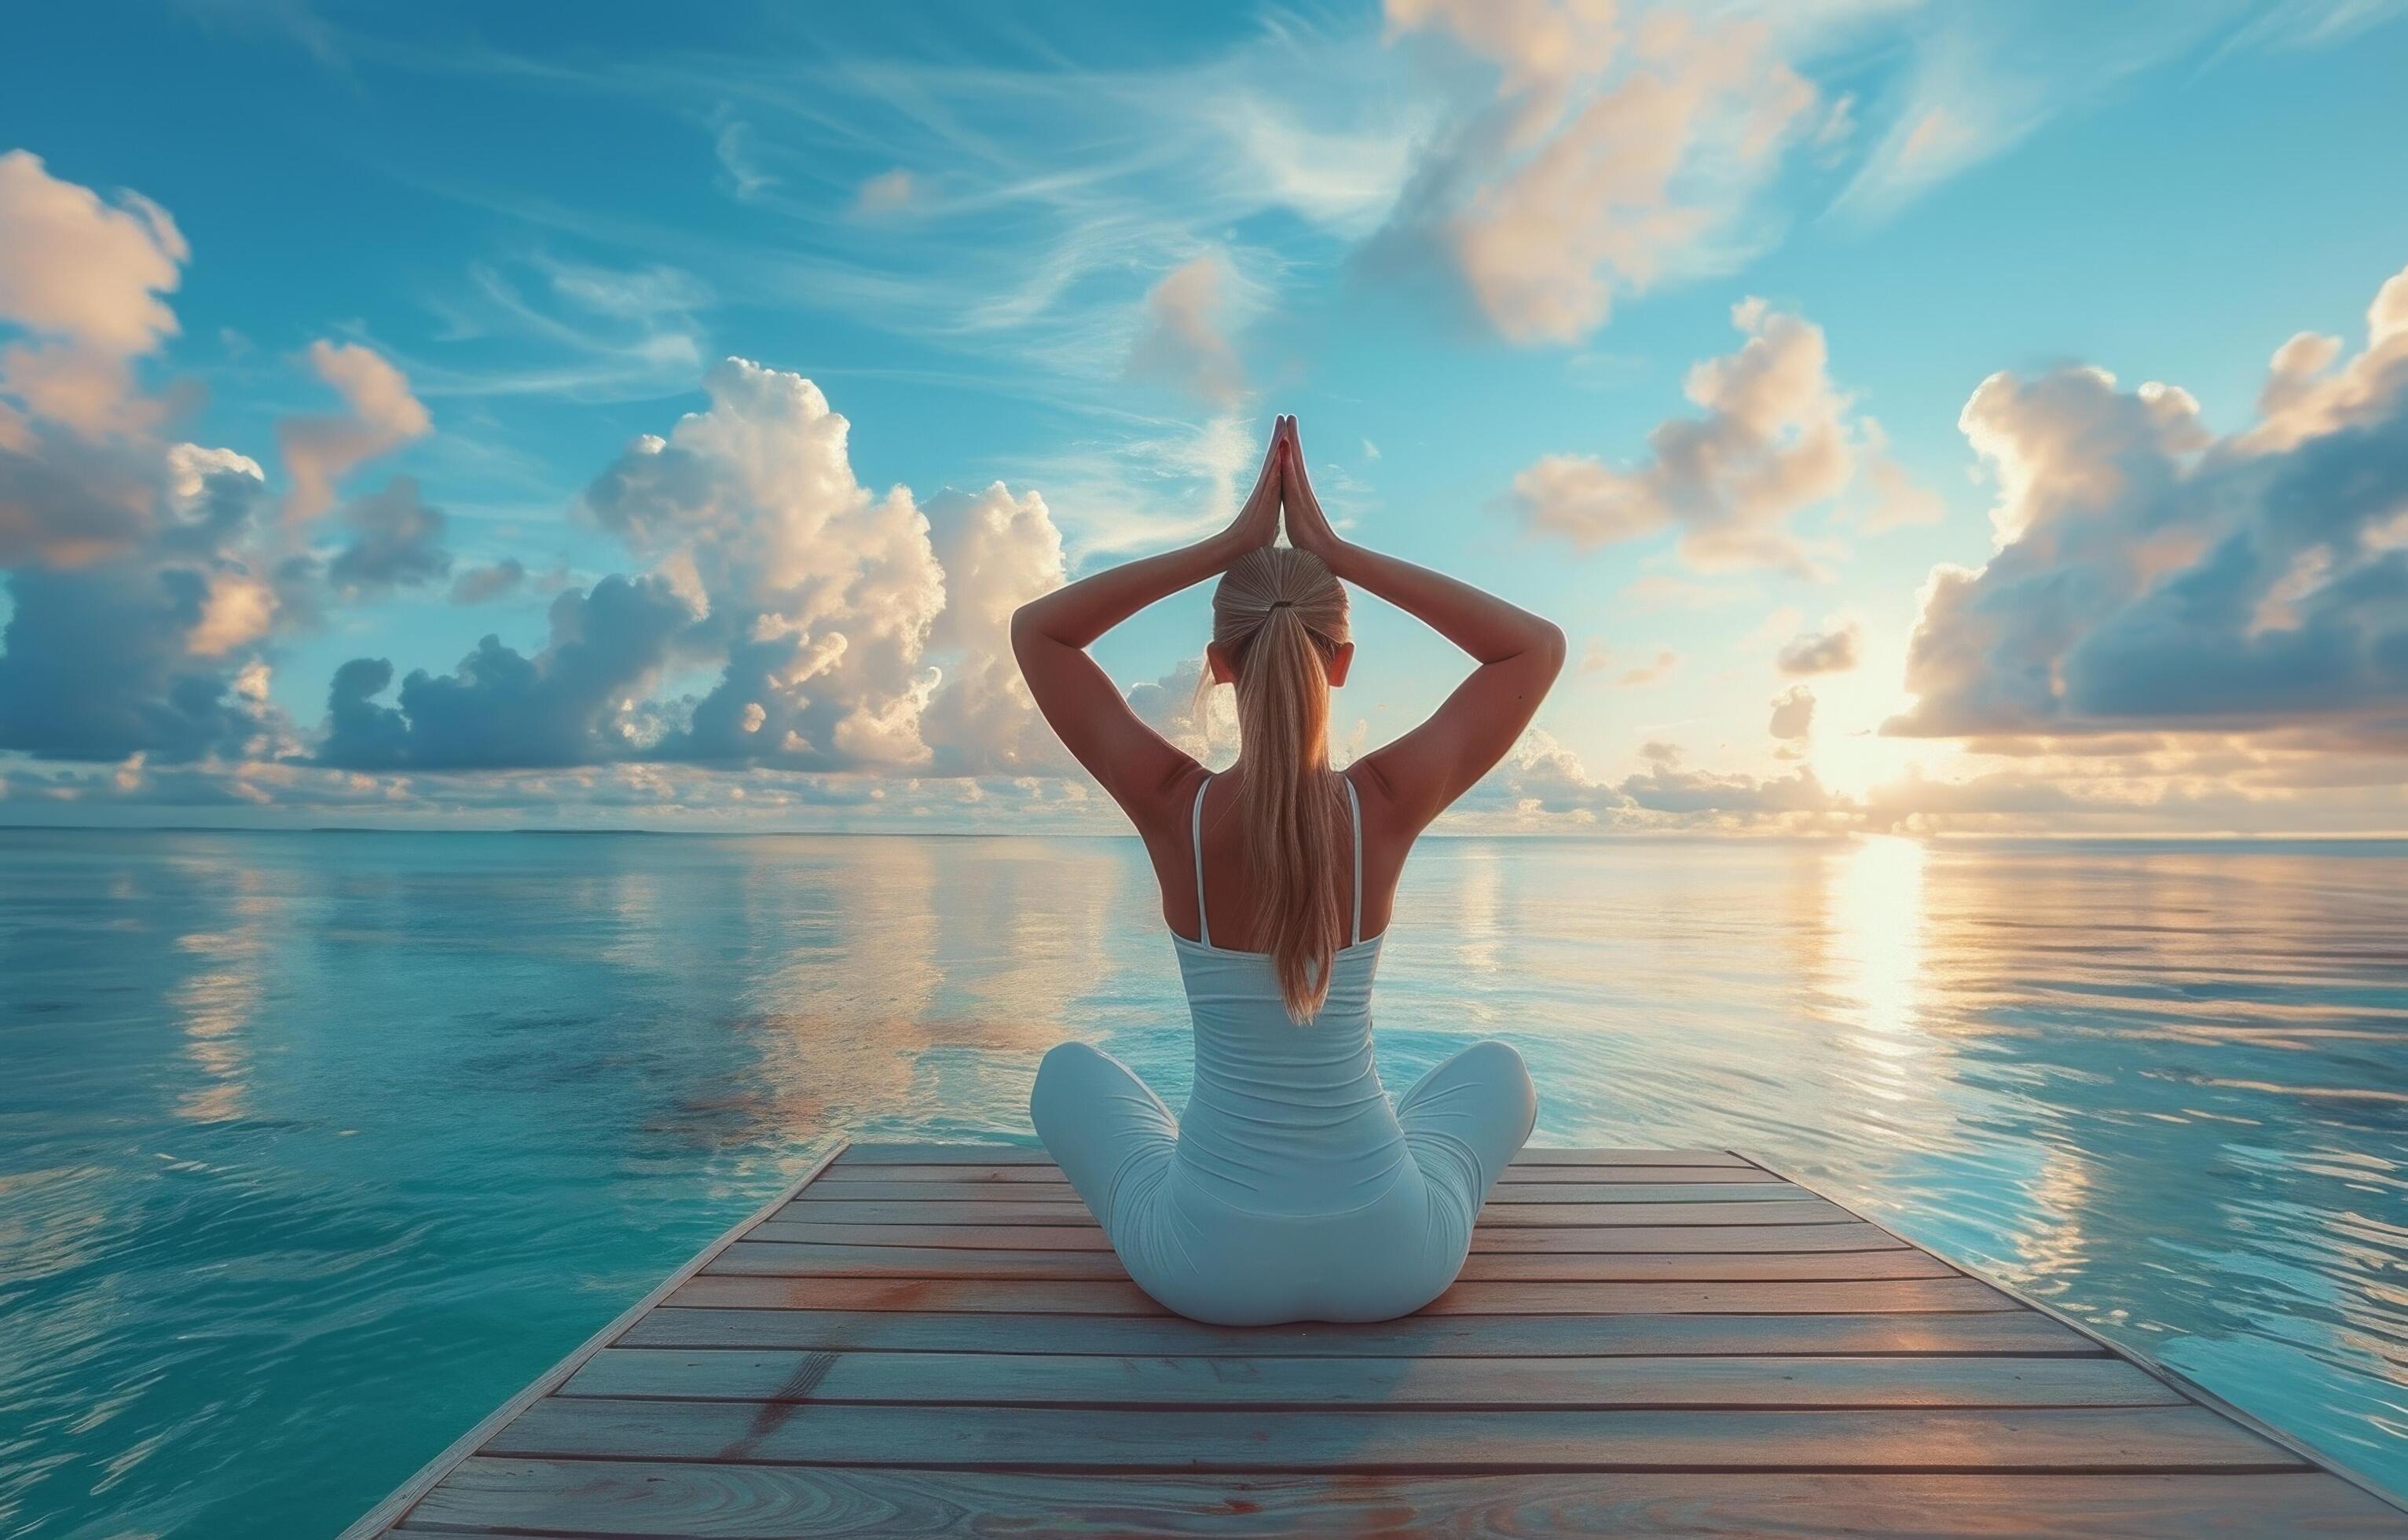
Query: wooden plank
{"points": [[1660, 1342], [1581, 1156], [1587, 1192], [1810, 1211], [378, 1518], [1623, 1239], [1030, 1173], [716, 1291], [1296, 1384], [2019, 1333], [2163, 1439], [1588, 1335], [918, 1154], [779, 1502], [782, 1258]]}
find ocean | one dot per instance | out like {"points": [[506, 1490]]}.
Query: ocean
{"points": [[316, 1146]]}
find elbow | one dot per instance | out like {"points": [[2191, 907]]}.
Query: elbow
{"points": [[1025, 630], [1550, 647]]}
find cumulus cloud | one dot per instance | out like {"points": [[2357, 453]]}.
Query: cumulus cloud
{"points": [[319, 450], [998, 552], [483, 584], [1774, 439], [135, 655], [134, 608], [2154, 575], [839, 611], [569, 704], [83, 278], [1793, 713], [1185, 340], [1606, 157], [1667, 787], [1831, 652], [1200, 723], [821, 593], [1544, 784], [397, 542]]}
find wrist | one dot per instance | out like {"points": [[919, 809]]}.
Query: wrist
{"points": [[1335, 554]]}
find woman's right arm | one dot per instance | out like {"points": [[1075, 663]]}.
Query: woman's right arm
{"points": [[1519, 655]]}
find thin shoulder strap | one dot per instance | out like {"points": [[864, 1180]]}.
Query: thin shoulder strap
{"points": [[1195, 848], [1354, 807]]}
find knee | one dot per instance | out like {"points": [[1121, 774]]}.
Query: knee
{"points": [[1065, 1072], [1498, 1065]]}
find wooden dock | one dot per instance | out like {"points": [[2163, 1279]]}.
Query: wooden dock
{"points": [[929, 1339]]}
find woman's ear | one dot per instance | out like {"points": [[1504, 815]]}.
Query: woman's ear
{"points": [[1218, 662], [1340, 661]]}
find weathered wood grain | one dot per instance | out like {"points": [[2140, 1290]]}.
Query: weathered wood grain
{"points": [[2130, 1438], [2022, 1334], [938, 1339], [986, 1191], [891, 1153], [1500, 1384], [841, 1175], [987, 1296], [741, 1501], [804, 1260], [1006, 1211], [1490, 1240]]}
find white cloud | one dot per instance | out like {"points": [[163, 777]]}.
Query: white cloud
{"points": [[997, 550], [856, 631], [1793, 713], [318, 451], [1775, 437], [1185, 340], [2154, 575], [1827, 652], [886, 192], [84, 278], [1608, 159]]}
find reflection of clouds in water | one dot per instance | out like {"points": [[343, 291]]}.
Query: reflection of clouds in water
{"points": [[922, 983], [215, 1004]]}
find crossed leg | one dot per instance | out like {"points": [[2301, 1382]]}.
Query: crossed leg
{"points": [[1467, 1119], [1100, 1122]]}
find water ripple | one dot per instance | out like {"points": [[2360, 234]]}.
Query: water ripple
{"points": [[312, 1148]]}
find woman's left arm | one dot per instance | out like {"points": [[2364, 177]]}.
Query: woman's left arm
{"points": [[1050, 636]]}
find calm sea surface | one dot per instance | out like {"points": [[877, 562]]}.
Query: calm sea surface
{"points": [[313, 1147]]}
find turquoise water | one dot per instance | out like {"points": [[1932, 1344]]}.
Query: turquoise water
{"points": [[313, 1147]]}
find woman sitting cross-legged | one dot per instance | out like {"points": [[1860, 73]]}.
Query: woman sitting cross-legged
{"points": [[1291, 1189]]}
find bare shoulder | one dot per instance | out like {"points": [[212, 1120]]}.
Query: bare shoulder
{"points": [[1158, 804], [1390, 820]]}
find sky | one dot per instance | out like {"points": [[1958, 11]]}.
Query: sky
{"points": [[1921, 418]]}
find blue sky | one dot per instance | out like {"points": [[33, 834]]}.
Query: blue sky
{"points": [[1766, 348]]}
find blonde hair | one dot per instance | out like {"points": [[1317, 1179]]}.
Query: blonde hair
{"points": [[1279, 617]]}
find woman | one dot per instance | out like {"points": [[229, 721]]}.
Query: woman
{"points": [[1291, 1189]]}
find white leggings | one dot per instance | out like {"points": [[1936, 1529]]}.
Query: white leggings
{"points": [[1374, 1233]]}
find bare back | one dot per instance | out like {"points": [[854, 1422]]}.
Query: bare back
{"points": [[1227, 882]]}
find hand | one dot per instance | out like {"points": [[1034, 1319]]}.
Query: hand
{"points": [[1307, 526], [1257, 522]]}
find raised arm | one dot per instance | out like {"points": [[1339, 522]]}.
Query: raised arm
{"points": [[1519, 656], [1050, 636]]}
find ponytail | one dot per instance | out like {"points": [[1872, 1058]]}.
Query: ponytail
{"points": [[1279, 615]]}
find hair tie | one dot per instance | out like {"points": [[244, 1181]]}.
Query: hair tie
{"points": [[1283, 604]]}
